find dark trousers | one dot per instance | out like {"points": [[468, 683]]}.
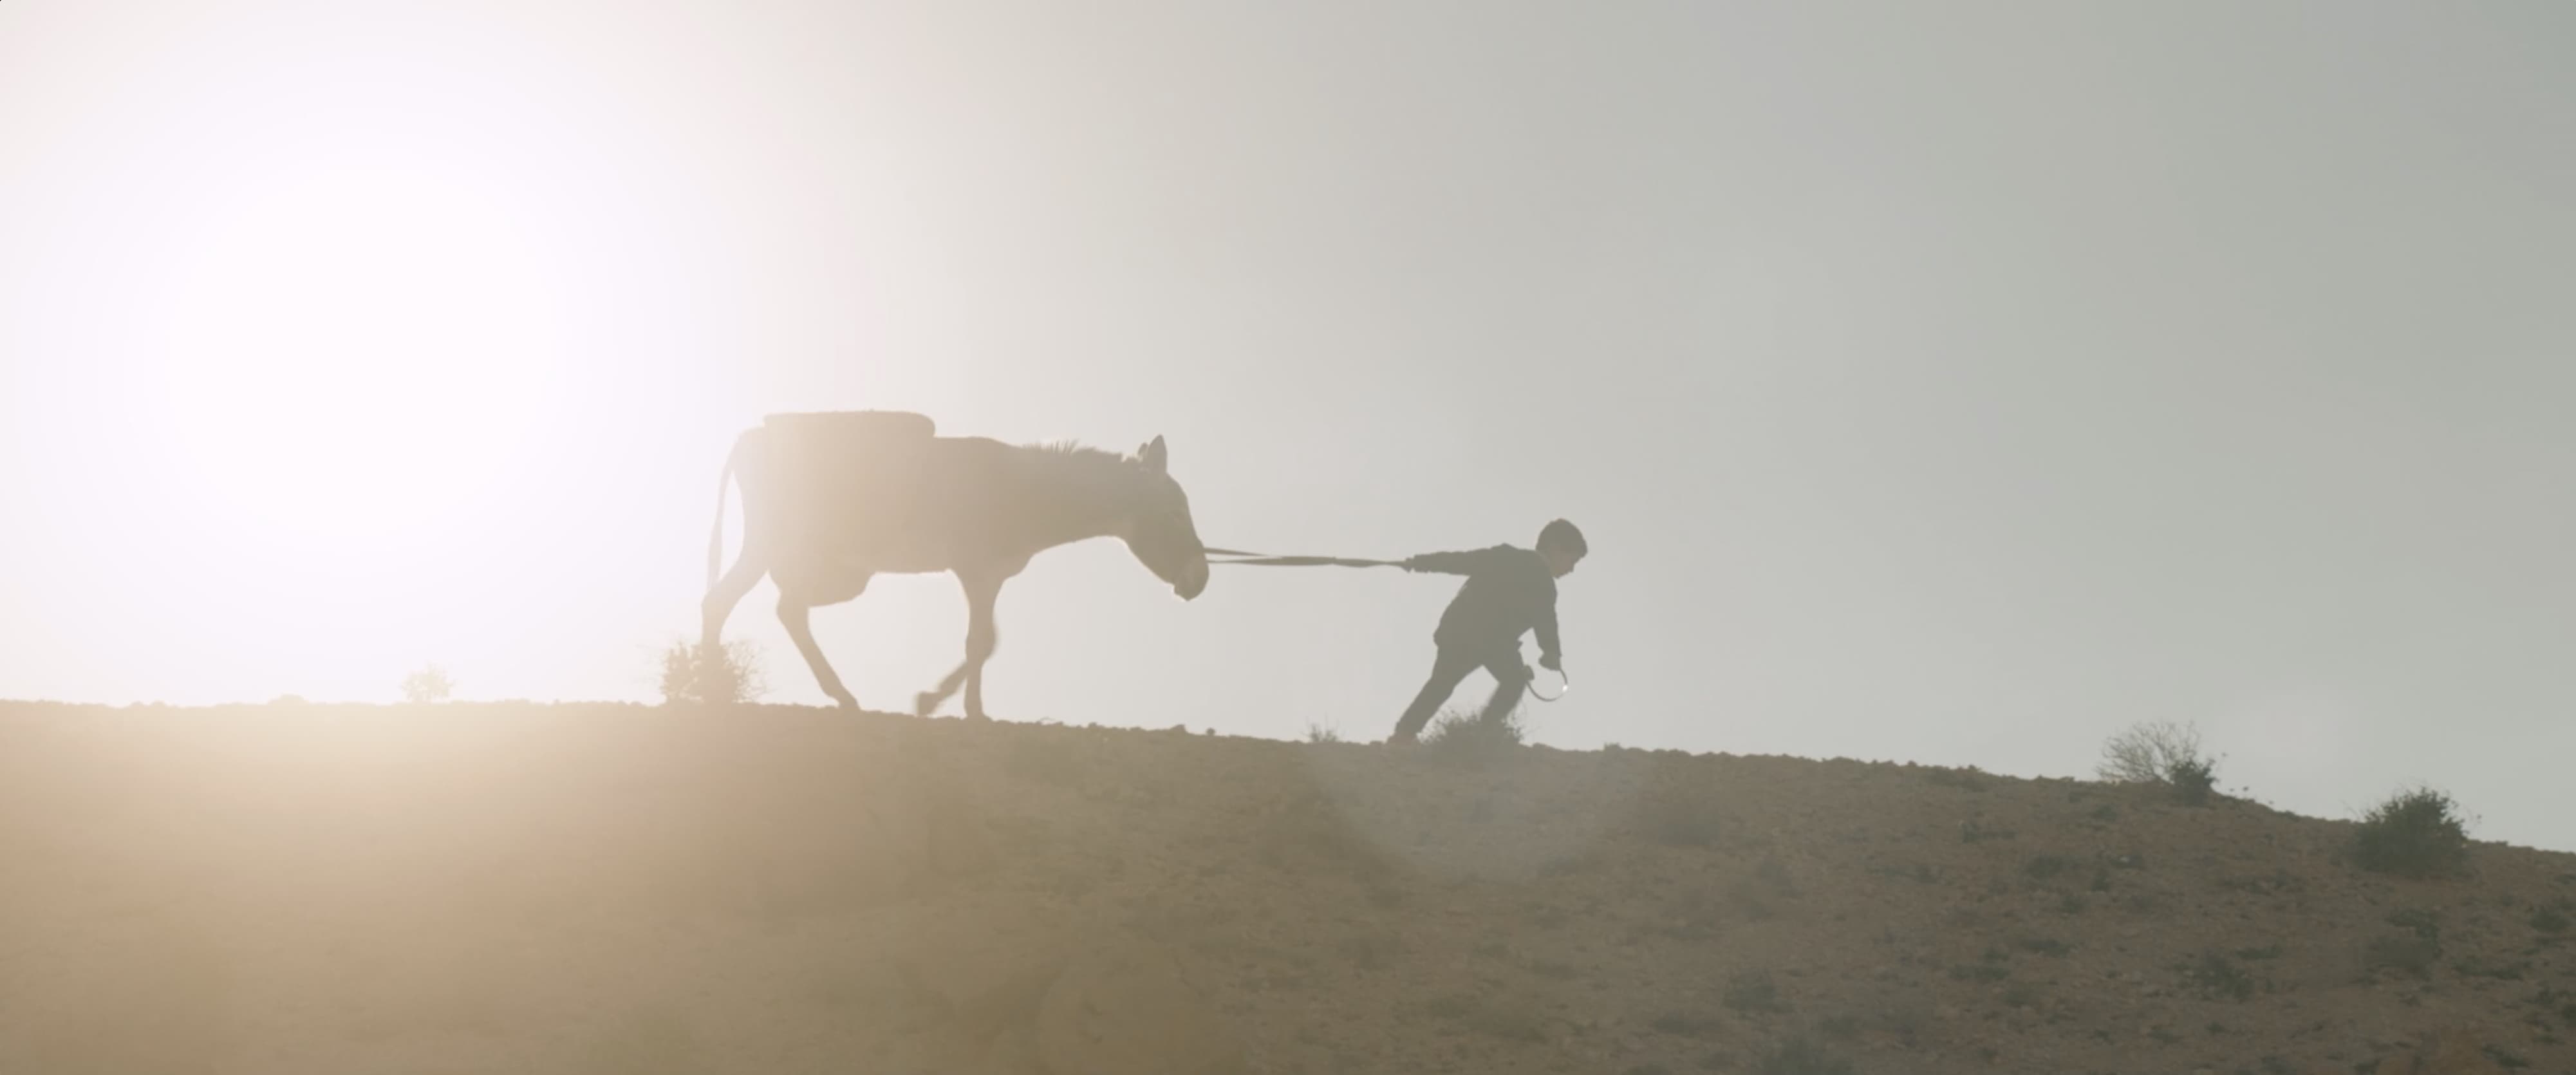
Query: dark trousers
{"points": [[1450, 668]]}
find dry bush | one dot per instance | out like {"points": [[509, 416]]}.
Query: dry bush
{"points": [[729, 675], [430, 684], [1471, 739], [2414, 833], [2160, 753]]}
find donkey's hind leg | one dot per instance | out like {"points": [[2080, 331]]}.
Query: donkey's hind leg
{"points": [[726, 593], [794, 613]]}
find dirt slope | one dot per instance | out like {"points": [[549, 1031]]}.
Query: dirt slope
{"points": [[597, 889]]}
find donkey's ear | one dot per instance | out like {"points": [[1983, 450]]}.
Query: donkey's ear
{"points": [[1154, 455]]}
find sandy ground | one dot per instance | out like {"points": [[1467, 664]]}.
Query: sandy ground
{"points": [[611, 889]]}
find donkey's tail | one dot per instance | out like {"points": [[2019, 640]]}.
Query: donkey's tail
{"points": [[715, 537]]}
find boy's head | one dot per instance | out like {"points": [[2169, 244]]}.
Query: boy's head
{"points": [[1562, 546]]}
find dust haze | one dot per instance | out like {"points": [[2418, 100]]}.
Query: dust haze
{"points": [[2077, 506]]}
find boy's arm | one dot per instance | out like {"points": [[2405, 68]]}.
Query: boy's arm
{"points": [[1550, 657], [1449, 563]]}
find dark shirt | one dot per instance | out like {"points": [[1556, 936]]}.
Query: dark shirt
{"points": [[1509, 592]]}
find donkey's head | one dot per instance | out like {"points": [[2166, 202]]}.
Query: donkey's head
{"points": [[1159, 530]]}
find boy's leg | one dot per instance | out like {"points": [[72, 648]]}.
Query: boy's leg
{"points": [[1446, 671], [1511, 677]]}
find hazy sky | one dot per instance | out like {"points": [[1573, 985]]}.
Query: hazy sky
{"points": [[1959, 383]]}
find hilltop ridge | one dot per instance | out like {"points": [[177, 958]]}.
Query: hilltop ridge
{"points": [[617, 888]]}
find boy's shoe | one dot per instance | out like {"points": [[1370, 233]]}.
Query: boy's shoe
{"points": [[1403, 739]]}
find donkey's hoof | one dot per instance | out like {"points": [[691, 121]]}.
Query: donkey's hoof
{"points": [[923, 703], [846, 701]]}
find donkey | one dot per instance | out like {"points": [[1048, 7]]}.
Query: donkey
{"points": [[830, 499]]}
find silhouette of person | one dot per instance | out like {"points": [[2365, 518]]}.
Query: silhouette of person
{"points": [[1509, 592]]}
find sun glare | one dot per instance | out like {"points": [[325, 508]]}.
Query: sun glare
{"points": [[352, 355], [353, 370]]}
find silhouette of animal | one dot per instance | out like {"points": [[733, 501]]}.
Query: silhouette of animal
{"points": [[831, 499]]}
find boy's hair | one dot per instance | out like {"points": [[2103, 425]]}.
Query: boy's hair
{"points": [[1561, 534]]}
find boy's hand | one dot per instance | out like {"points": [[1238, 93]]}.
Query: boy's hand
{"points": [[1552, 663]]}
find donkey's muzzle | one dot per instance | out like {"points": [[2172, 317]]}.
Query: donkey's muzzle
{"points": [[1193, 581]]}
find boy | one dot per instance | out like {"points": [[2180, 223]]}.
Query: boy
{"points": [[1509, 592]]}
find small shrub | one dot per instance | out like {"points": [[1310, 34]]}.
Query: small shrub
{"points": [[430, 684], [2193, 780], [2254, 954], [2415, 833], [2550, 919], [1323, 733], [2022, 994], [729, 674], [1472, 739], [2160, 753], [2146, 752]]}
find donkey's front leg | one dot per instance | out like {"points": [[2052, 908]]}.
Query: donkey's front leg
{"points": [[982, 637], [980, 641]]}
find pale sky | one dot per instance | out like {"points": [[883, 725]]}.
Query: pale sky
{"points": [[1956, 383]]}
